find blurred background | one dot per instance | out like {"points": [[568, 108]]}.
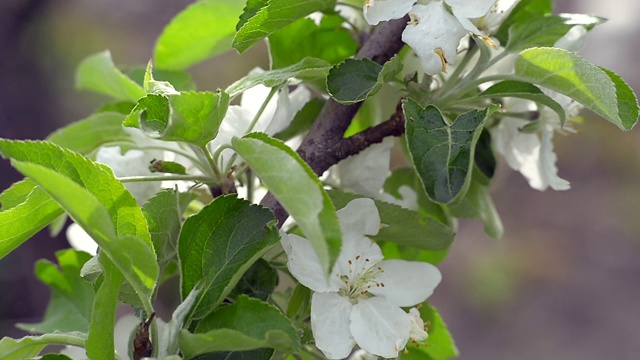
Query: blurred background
{"points": [[564, 282]]}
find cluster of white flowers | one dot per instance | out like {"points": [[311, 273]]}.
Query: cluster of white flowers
{"points": [[436, 26], [360, 302]]}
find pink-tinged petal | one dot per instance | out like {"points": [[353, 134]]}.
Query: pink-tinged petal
{"points": [[304, 263], [433, 34], [376, 11], [406, 283], [470, 8], [380, 327], [330, 317]]}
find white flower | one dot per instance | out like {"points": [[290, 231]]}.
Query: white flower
{"points": [[490, 23], [360, 303], [434, 32], [276, 116], [80, 240]]}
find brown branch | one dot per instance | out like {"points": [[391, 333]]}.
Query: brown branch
{"points": [[324, 143]]}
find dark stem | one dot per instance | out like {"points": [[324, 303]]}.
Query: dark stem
{"points": [[325, 145]]}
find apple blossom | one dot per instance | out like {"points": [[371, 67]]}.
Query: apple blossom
{"points": [[360, 303], [530, 153], [275, 117], [436, 26]]}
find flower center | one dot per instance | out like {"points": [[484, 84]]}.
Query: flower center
{"points": [[360, 277]]}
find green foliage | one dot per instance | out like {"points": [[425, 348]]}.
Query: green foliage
{"points": [[100, 343], [442, 153], [524, 11], [30, 346], [245, 325], [25, 211], [598, 89], [328, 41], [96, 201], [545, 31], [218, 245], [307, 68], [192, 117], [298, 190], [273, 16], [98, 73], [87, 135], [258, 281], [202, 30], [354, 80], [524, 90], [71, 297]]}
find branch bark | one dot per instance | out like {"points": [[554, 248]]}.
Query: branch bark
{"points": [[324, 145]]}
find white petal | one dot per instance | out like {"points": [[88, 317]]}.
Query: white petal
{"points": [[379, 327], [548, 160], [384, 10], [330, 324], [408, 198], [417, 326], [406, 283], [304, 263], [365, 172], [132, 163], [80, 240], [470, 8], [433, 29], [359, 216], [287, 107], [74, 352], [573, 40], [124, 326]]}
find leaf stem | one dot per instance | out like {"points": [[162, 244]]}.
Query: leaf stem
{"points": [[175, 177]]}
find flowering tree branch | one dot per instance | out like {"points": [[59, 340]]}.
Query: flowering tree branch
{"points": [[324, 145]]}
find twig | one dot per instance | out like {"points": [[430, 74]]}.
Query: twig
{"points": [[324, 143]]}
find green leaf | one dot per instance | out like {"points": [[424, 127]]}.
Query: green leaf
{"points": [[403, 226], [303, 120], [95, 200], [477, 203], [524, 11], [306, 69], [274, 16], [441, 153], [100, 340], [168, 167], [192, 117], [440, 342], [524, 90], [354, 80], [297, 188], [328, 41], [71, 297], [24, 214], [598, 89], [164, 218], [55, 357], [180, 80], [219, 244], [201, 31], [258, 281], [98, 73], [30, 346], [545, 31], [257, 354], [245, 325], [88, 134], [168, 339], [485, 159]]}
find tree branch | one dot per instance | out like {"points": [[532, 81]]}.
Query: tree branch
{"points": [[324, 145]]}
